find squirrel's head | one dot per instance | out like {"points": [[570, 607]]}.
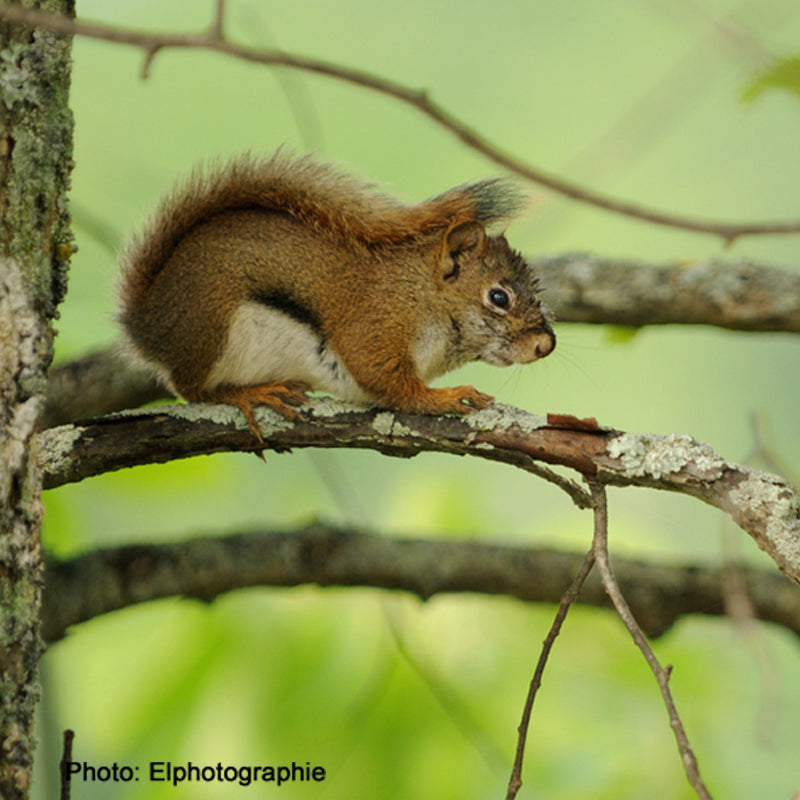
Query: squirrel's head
{"points": [[498, 315]]}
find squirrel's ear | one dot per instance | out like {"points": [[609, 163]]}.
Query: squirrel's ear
{"points": [[463, 242]]}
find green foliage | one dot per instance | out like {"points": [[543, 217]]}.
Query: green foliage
{"points": [[620, 334], [782, 74]]}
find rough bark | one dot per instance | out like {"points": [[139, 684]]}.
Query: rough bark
{"points": [[105, 580], [726, 293], [35, 162]]}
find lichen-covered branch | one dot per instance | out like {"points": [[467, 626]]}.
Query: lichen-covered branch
{"points": [[739, 295], [764, 505], [106, 580]]}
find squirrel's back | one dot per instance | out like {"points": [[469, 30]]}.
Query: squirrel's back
{"points": [[313, 192]]}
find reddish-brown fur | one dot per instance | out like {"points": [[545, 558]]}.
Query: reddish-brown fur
{"points": [[372, 281], [312, 192]]}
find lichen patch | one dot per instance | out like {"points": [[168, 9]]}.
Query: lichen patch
{"points": [[497, 416], [650, 455]]}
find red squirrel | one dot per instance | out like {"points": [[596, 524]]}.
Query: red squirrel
{"points": [[264, 278]]}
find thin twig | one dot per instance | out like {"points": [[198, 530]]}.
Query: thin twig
{"points": [[213, 40], [567, 599], [449, 700], [66, 759], [217, 30], [149, 54], [662, 674]]}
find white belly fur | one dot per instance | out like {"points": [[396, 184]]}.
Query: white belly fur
{"points": [[265, 344]]}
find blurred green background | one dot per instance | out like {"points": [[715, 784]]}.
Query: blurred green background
{"points": [[398, 699]]}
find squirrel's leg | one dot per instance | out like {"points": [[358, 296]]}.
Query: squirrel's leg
{"points": [[278, 395], [395, 384]]}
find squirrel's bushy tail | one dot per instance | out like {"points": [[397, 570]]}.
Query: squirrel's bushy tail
{"points": [[313, 192]]}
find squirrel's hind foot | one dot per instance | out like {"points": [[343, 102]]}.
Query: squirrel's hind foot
{"points": [[281, 396]]}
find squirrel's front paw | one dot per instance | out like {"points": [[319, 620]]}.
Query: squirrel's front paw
{"points": [[470, 398], [456, 400]]}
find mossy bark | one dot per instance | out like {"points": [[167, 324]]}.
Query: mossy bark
{"points": [[35, 244]]}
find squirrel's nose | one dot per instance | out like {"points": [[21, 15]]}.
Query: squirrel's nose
{"points": [[546, 343]]}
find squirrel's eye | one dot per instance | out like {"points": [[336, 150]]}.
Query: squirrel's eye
{"points": [[499, 298]]}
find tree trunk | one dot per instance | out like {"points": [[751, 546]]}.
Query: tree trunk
{"points": [[35, 245]]}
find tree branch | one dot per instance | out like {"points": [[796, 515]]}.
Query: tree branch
{"points": [[106, 580], [213, 40], [766, 506], [97, 384], [734, 294]]}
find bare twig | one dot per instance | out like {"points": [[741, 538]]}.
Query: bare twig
{"points": [[66, 758], [217, 29], [662, 674], [567, 599], [213, 40]]}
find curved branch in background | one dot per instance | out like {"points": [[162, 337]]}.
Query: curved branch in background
{"points": [[106, 580], [213, 40], [738, 295], [734, 294], [766, 506], [97, 384]]}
